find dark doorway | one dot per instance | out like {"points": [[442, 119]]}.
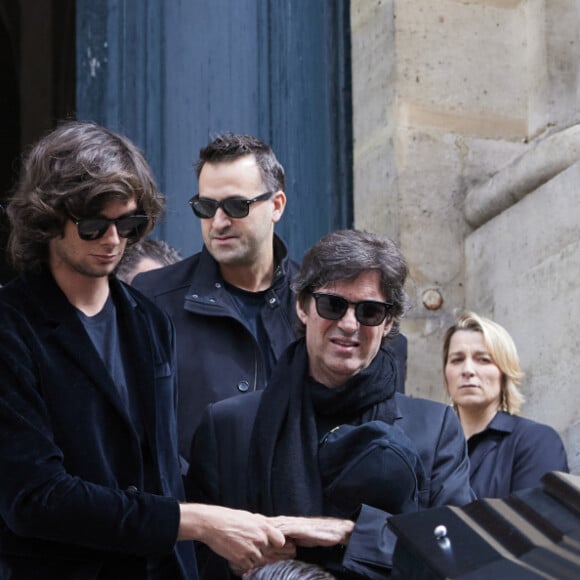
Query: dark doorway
{"points": [[37, 72]]}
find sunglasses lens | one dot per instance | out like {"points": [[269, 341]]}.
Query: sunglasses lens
{"points": [[371, 313], [92, 228], [367, 312], [330, 307], [131, 226], [233, 207], [236, 208], [204, 208]]}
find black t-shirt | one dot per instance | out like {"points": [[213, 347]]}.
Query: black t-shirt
{"points": [[103, 331], [106, 334], [249, 305]]}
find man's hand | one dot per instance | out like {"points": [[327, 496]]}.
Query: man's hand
{"points": [[311, 532], [242, 538], [287, 552]]}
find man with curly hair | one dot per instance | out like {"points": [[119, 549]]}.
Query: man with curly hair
{"points": [[91, 481]]}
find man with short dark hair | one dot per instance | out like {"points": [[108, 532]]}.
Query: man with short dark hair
{"points": [[90, 483], [231, 303]]}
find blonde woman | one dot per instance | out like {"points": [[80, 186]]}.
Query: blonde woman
{"points": [[482, 375]]}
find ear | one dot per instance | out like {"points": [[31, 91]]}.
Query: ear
{"points": [[302, 314], [279, 200], [387, 328]]}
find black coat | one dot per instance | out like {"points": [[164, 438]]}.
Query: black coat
{"points": [[221, 449], [72, 498], [217, 354], [513, 453]]}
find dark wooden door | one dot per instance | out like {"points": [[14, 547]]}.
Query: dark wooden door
{"points": [[171, 74]]}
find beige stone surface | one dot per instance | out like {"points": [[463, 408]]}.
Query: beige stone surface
{"points": [[525, 273], [543, 160], [440, 48], [376, 205], [523, 270], [448, 97]]}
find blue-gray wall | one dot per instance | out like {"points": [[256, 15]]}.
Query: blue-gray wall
{"points": [[172, 74]]}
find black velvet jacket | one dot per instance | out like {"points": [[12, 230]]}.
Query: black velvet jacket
{"points": [[72, 502]]}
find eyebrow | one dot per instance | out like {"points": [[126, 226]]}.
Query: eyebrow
{"points": [[135, 211], [463, 352], [239, 196]]}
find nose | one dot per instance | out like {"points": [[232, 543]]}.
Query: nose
{"points": [[348, 323], [221, 219], [468, 368], [111, 236]]}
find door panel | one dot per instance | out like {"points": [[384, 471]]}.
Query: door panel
{"points": [[171, 75]]}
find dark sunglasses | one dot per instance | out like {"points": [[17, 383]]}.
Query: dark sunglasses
{"points": [[367, 312], [235, 207], [128, 226]]}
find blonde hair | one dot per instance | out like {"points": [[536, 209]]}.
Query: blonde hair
{"points": [[503, 352]]}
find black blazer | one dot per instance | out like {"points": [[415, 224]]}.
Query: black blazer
{"points": [[221, 448], [72, 503], [218, 357], [513, 453]]}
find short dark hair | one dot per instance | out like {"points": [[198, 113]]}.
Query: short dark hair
{"points": [[75, 170], [230, 146], [157, 250], [289, 570], [344, 255]]}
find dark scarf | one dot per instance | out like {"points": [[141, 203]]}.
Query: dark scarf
{"points": [[283, 475]]}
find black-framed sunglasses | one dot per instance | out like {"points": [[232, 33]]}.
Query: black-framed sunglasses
{"points": [[128, 226], [235, 207], [367, 312]]}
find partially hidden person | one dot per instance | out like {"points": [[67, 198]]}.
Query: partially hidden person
{"points": [[146, 255], [483, 375]]}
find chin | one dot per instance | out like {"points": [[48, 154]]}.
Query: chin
{"points": [[348, 373]]}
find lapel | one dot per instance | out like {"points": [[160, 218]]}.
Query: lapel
{"points": [[481, 444], [63, 324], [397, 412], [142, 356]]}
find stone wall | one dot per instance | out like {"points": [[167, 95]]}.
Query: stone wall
{"points": [[523, 270], [447, 94]]}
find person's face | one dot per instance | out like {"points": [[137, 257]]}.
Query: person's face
{"points": [[339, 349], [71, 256], [473, 379], [241, 241]]}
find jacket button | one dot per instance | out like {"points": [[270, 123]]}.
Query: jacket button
{"points": [[243, 386]]}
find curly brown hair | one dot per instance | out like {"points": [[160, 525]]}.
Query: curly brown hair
{"points": [[75, 170]]}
